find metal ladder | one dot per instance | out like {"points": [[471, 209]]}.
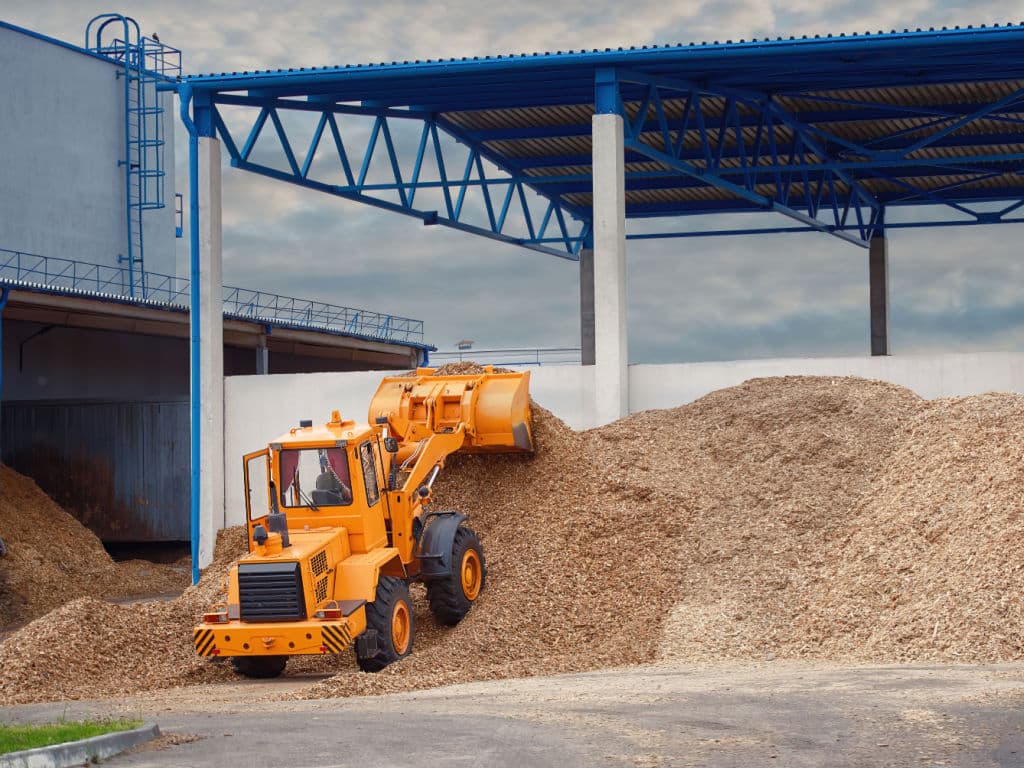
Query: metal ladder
{"points": [[146, 62]]}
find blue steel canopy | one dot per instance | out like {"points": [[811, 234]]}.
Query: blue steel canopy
{"points": [[829, 131]]}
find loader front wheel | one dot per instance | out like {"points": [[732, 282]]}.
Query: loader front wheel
{"points": [[452, 596], [389, 616], [259, 666]]}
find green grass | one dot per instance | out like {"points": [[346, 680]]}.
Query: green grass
{"points": [[14, 738]]}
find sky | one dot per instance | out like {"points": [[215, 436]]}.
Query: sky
{"points": [[722, 298]]}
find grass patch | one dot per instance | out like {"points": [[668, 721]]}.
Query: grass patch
{"points": [[14, 738]]}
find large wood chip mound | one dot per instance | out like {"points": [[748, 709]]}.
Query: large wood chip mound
{"points": [[800, 517], [52, 558]]}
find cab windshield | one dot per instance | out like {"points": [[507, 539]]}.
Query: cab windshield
{"points": [[314, 478]]}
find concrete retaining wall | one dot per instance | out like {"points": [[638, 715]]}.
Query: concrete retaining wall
{"points": [[257, 408]]}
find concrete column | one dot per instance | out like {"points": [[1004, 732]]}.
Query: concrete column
{"points": [[878, 279], [611, 382], [211, 356], [262, 356], [587, 306]]}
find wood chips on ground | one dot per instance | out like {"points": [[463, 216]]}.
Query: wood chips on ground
{"points": [[798, 517]]}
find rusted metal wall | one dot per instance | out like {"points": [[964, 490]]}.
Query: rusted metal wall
{"points": [[120, 468]]}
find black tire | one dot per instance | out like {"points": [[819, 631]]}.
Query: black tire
{"points": [[448, 596], [259, 666], [384, 616]]}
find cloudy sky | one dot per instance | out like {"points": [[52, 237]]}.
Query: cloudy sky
{"points": [[694, 299]]}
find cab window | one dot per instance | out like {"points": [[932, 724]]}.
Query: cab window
{"points": [[315, 477], [369, 473]]}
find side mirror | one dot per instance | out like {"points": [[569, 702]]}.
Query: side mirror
{"points": [[390, 445]]}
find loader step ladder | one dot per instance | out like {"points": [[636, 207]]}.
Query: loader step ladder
{"points": [[145, 63]]}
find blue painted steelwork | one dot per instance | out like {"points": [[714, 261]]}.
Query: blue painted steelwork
{"points": [[195, 389], [824, 130], [145, 63], [817, 195], [503, 191], [18, 267]]}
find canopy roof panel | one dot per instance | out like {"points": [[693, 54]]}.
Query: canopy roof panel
{"points": [[830, 131]]}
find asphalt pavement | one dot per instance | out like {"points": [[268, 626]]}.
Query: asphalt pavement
{"points": [[722, 716]]}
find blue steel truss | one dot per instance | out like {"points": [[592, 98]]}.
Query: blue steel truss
{"points": [[807, 185], [547, 224], [816, 177], [830, 132]]}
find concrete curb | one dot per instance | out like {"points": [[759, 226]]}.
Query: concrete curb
{"points": [[80, 752]]}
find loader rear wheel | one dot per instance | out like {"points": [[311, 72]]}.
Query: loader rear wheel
{"points": [[452, 596], [259, 666], [390, 617]]}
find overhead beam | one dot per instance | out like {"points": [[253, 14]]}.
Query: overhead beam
{"points": [[503, 191]]}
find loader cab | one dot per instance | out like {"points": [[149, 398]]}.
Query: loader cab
{"points": [[311, 478], [329, 475]]}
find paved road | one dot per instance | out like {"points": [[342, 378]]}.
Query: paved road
{"points": [[772, 714]]}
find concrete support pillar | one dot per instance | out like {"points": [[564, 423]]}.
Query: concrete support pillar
{"points": [[211, 356], [262, 356], [878, 279], [587, 306], [611, 382]]}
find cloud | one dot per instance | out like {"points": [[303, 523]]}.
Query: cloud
{"points": [[690, 299]]}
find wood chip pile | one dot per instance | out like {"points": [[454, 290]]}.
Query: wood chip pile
{"points": [[785, 518], [91, 648], [887, 532], [52, 558]]}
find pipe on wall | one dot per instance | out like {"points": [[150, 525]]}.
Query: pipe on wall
{"points": [[185, 97]]}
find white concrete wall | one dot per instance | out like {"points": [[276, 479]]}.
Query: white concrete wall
{"points": [[61, 136], [258, 408], [930, 376]]}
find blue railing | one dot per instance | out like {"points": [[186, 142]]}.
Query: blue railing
{"points": [[69, 275], [243, 302], [525, 356]]}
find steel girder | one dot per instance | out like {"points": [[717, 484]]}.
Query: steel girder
{"points": [[545, 222], [766, 159]]}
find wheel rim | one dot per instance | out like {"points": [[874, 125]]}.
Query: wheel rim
{"points": [[401, 628], [472, 574]]}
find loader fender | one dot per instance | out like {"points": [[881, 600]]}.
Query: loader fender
{"points": [[357, 574], [435, 549]]}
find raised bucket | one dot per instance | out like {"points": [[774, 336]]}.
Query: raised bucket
{"points": [[494, 407]]}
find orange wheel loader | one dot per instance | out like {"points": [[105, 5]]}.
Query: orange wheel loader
{"points": [[339, 526]]}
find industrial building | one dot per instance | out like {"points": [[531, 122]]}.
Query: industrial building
{"points": [[94, 320]]}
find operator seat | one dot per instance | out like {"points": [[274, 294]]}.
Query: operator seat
{"points": [[330, 490]]}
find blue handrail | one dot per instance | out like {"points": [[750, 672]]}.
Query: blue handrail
{"points": [[145, 62], [70, 275]]}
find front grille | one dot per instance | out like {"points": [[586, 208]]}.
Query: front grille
{"points": [[271, 592]]}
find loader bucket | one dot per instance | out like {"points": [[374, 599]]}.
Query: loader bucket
{"points": [[494, 408]]}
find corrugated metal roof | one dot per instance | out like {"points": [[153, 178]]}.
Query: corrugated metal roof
{"points": [[791, 41], [860, 104]]}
